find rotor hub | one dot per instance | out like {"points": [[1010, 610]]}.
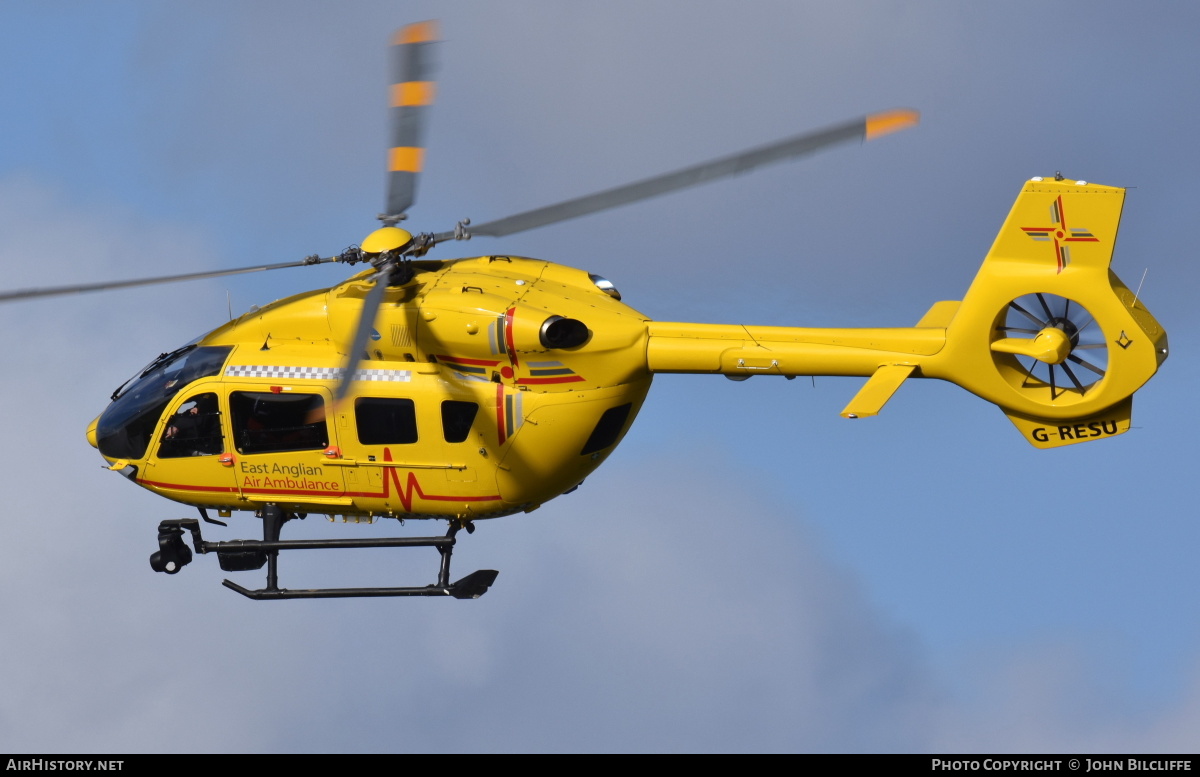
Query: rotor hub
{"points": [[386, 240], [1067, 326]]}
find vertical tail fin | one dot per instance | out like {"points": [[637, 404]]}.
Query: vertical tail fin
{"points": [[1047, 331]]}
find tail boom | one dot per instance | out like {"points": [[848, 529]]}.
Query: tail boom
{"points": [[741, 351], [1046, 331]]}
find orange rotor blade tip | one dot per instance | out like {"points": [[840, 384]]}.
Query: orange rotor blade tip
{"points": [[406, 159], [421, 32], [879, 124]]}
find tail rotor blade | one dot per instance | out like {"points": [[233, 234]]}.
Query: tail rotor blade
{"points": [[413, 91], [366, 324]]}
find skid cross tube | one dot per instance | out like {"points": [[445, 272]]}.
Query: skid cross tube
{"points": [[383, 542], [242, 555]]}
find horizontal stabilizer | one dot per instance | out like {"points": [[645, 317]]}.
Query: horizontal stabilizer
{"points": [[940, 315], [1045, 433], [878, 389]]}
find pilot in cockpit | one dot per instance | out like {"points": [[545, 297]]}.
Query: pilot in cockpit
{"points": [[195, 430]]}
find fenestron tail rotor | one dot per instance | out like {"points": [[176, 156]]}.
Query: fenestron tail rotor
{"points": [[413, 90], [1058, 343]]}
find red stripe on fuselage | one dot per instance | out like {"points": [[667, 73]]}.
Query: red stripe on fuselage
{"points": [[480, 362], [403, 492], [181, 487], [538, 381], [500, 423], [508, 335]]}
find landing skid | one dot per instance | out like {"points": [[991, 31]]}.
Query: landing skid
{"points": [[244, 555]]}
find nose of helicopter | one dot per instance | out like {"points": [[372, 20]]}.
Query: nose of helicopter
{"points": [[91, 432]]}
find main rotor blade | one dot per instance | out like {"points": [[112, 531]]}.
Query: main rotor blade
{"points": [[10, 296], [366, 323], [866, 128], [413, 91]]}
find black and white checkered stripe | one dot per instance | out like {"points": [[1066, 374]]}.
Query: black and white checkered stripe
{"points": [[313, 373]]}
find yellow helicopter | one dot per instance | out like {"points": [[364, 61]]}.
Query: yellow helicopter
{"points": [[477, 388]]}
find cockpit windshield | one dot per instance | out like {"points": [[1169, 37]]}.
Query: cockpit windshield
{"points": [[126, 426]]}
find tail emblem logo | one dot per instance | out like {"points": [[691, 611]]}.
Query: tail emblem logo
{"points": [[1060, 234]]}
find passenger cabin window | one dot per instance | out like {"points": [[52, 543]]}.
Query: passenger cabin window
{"points": [[194, 430], [457, 418], [269, 423], [385, 421], [608, 429]]}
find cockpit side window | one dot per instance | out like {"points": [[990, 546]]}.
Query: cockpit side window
{"points": [[126, 427], [269, 423], [194, 429]]}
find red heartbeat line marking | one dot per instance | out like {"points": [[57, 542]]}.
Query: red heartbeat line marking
{"points": [[391, 476], [1059, 232], [405, 492]]}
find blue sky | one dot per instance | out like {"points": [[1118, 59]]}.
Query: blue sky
{"points": [[749, 571]]}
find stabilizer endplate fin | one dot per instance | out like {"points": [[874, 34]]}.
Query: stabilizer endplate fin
{"points": [[1049, 433], [878, 389]]}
